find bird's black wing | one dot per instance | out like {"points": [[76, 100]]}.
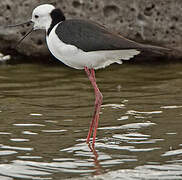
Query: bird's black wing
{"points": [[90, 36]]}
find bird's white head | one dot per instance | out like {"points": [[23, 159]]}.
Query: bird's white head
{"points": [[45, 16], [41, 16]]}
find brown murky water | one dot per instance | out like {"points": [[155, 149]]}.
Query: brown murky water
{"points": [[45, 112]]}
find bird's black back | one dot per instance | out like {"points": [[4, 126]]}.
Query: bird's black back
{"points": [[90, 36]]}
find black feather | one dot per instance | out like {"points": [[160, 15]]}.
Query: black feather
{"points": [[57, 16], [90, 36]]}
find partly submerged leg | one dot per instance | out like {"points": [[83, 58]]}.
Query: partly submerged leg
{"points": [[93, 119], [98, 102]]}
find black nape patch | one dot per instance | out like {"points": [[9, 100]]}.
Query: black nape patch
{"points": [[57, 16]]}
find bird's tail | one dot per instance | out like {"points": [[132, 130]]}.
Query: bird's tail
{"points": [[155, 49]]}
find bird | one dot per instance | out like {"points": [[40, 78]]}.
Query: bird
{"points": [[85, 45]]}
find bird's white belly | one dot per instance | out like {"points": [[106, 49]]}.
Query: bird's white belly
{"points": [[78, 59], [68, 54], [71, 55]]}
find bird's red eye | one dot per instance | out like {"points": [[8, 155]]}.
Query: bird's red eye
{"points": [[36, 16]]}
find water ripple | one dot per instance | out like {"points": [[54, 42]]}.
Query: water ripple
{"points": [[114, 106], [29, 125], [173, 152], [18, 169], [128, 126], [19, 140], [132, 112], [15, 148], [3, 153], [170, 107]]}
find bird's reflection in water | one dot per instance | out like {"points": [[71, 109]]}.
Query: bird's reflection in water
{"points": [[98, 167]]}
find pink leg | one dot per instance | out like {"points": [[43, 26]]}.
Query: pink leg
{"points": [[98, 102], [92, 122]]}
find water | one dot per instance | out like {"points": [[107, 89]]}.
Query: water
{"points": [[45, 112]]}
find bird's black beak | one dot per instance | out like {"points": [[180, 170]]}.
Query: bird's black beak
{"points": [[29, 32], [25, 23]]}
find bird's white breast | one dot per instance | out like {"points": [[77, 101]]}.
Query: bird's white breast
{"points": [[77, 58], [63, 52]]}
